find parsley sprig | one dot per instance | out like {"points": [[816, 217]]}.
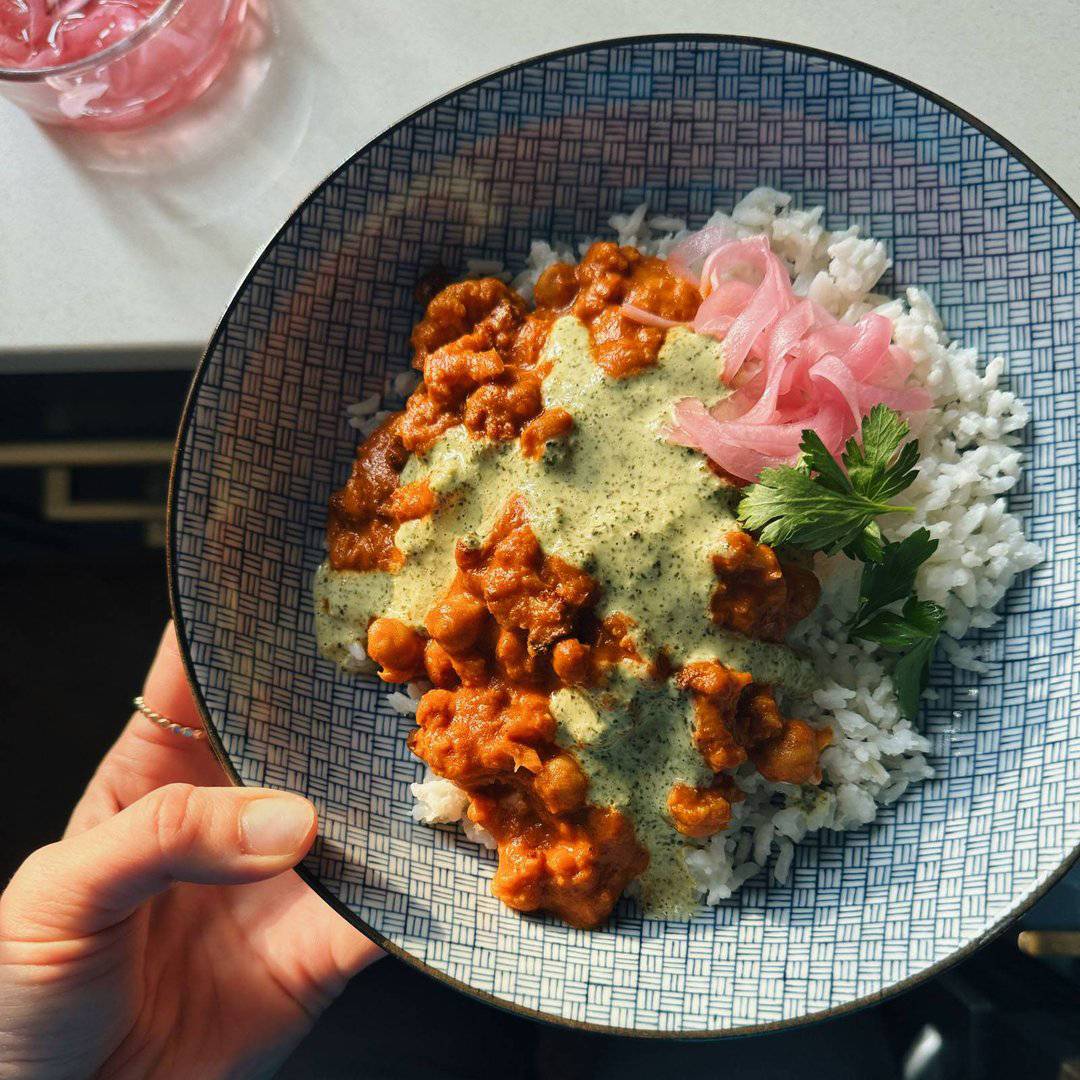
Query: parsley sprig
{"points": [[819, 506], [912, 631]]}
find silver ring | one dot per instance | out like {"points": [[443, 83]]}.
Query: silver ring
{"points": [[165, 723]]}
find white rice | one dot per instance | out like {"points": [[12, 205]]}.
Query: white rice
{"points": [[366, 415], [363, 408], [401, 703], [476, 268], [405, 382], [357, 660], [439, 802], [365, 425], [970, 459]]}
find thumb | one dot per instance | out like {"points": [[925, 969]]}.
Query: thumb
{"points": [[207, 835]]}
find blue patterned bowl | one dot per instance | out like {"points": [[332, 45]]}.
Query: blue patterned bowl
{"points": [[551, 148]]}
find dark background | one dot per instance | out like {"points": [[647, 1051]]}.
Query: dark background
{"points": [[81, 609]]}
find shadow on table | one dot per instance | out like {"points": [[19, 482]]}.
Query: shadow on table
{"points": [[202, 164]]}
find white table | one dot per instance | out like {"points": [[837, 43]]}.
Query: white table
{"points": [[123, 252]]}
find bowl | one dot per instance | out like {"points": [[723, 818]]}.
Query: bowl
{"points": [[550, 148]]}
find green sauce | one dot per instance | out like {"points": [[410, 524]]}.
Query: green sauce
{"points": [[633, 738], [643, 517]]}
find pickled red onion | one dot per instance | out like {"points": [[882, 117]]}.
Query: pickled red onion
{"points": [[695, 428], [690, 252], [35, 34], [832, 370], [784, 336], [647, 318], [117, 89], [791, 364], [718, 310]]}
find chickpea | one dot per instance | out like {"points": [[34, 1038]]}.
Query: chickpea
{"points": [[511, 650], [518, 553], [486, 412], [396, 648], [792, 757], [571, 661], [482, 367], [436, 709], [411, 501], [471, 670], [524, 399], [439, 666], [528, 719], [556, 286], [561, 784], [698, 812], [562, 863], [714, 738], [456, 621]]}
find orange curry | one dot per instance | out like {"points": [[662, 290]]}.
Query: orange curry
{"points": [[516, 624]]}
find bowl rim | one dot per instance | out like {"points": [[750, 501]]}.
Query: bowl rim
{"points": [[999, 926]]}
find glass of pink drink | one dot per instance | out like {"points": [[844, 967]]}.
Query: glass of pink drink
{"points": [[113, 64]]}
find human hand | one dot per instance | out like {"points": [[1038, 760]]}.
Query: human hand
{"points": [[129, 947]]}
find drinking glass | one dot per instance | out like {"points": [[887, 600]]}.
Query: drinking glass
{"points": [[157, 65]]}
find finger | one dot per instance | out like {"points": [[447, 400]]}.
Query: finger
{"points": [[305, 933], [340, 951], [145, 756], [166, 688], [86, 883]]}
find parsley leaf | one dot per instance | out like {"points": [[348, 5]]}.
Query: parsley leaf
{"points": [[868, 546], [913, 631], [818, 458], [871, 467], [820, 507], [892, 577], [911, 675], [789, 506]]}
